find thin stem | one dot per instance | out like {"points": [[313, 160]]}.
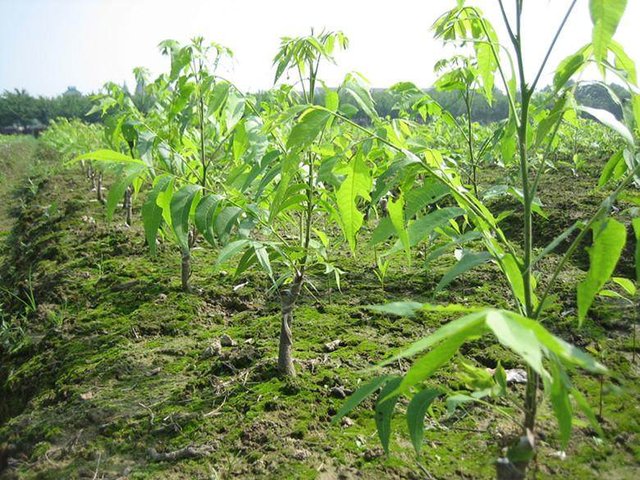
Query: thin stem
{"points": [[474, 181], [506, 21]]}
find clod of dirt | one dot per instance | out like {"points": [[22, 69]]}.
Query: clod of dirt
{"points": [[339, 392], [213, 350], [332, 346], [227, 341], [242, 357], [182, 453], [347, 422], [301, 454], [373, 453], [86, 396]]}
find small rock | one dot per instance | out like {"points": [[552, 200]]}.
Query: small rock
{"points": [[373, 453], [162, 297], [301, 454], [242, 357], [154, 372], [333, 346], [516, 375], [227, 341], [347, 422], [212, 350], [86, 396], [338, 392]]}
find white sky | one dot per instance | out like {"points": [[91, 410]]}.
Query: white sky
{"points": [[47, 45]]}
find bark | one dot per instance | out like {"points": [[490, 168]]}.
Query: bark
{"points": [[98, 178], [285, 356], [506, 470], [514, 465], [127, 206], [531, 400]]}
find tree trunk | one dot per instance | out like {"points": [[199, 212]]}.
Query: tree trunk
{"points": [[98, 177], [127, 206], [186, 270], [285, 356], [514, 465]]}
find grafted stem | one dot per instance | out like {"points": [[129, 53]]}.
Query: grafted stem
{"points": [[285, 350]]}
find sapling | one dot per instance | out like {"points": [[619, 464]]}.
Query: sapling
{"points": [[311, 175], [548, 358]]}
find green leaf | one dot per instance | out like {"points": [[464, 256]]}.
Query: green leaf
{"points": [[396, 214], [626, 284], [609, 239], [569, 66], [109, 156], [225, 220], [203, 219], [401, 309], [424, 226], [263, 258], [218, 96], [357, 184], [510, 267], [384, 411], [623, 62], [231, 249], [234, 109], [588, 412], [468, 322], [427, 194], [608, 119], [152, 213], [361, 95], [605, 16], [416, 411], [382, 232], [116, 192], [487, 66], [309, 125], [563, 350], [427, 365], [180, 210], [361, 394], [331, 99], [559, 396], [611, 170], [468, 261], [518, 338]]}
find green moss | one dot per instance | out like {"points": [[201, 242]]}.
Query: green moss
{"points": [[124, 370]]}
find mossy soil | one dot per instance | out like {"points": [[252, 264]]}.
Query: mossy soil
{"points": [[106, 365]]}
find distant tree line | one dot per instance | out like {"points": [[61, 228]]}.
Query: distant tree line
{"points": [[22, 112]]}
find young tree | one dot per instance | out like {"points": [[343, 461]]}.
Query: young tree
{"points": [[527, 141]]}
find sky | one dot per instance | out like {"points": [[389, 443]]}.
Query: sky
{"points": [[48, 45]]}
